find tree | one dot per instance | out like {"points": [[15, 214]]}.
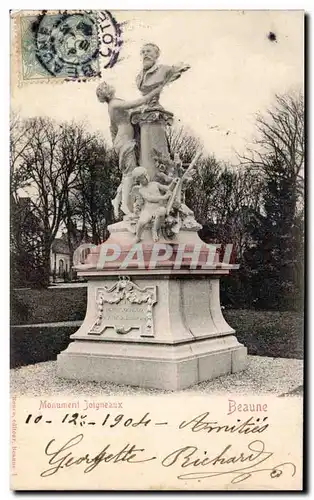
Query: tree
{"points": [[70, 176], [224, 198], [19, 143], [94, 188], [280, 144], [77, 149], [200, 196], [277, 254], [227, 202], [180, 140], [25, 228], [49, 164], [238, 198], [25, 244]]}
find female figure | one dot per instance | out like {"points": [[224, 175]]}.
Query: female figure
{"points": [[122, 132]]}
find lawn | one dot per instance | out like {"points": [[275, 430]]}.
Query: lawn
{"points": [[269, 333], [265, 333]]}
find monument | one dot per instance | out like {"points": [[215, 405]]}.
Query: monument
{"points": [[153, 314]]}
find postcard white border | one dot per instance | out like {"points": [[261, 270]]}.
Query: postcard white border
{"points": [[4, 198]]}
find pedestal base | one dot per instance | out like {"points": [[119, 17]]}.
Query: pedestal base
{"points": [[164, 332], [153, 366]]}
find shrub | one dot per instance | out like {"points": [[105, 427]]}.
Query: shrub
{"points": [[50, 305], [31, 345]]}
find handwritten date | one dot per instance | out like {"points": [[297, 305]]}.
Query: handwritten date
{"points": [[81, 420]]}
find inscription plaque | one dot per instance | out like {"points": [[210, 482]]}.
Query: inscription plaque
{"points": [[125, 307]]}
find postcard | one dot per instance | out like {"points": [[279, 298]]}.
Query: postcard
{"points": [[156, 250]]}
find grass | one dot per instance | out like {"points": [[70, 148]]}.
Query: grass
{"points": [[269, 333], [265, 333]]}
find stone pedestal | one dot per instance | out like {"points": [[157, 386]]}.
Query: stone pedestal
{"points": [[160, 330], [152, 123]]}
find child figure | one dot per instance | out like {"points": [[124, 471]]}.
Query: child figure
{"points": [[153, 202]]}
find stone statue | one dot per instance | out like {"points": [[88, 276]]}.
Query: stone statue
{"points": [[152, 203], [165, 329], [152, 118], [154, 75], [151, 194], [122, 132]]}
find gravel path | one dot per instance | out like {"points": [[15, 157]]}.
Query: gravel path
{"points": [[278, 376], [68, 285]]}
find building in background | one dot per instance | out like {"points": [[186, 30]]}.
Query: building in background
{"points": [[60, 257]]}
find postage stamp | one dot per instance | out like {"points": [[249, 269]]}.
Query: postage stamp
{"points": [[156, 250], [66, 45]]}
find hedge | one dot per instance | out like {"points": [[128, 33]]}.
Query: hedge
{"points": [[48, 306], [265, 333], [30, 345]]}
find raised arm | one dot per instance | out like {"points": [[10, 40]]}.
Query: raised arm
{"points": [[192, 165], [162, 187], [175, 71], [138, 102], [153, 198]]}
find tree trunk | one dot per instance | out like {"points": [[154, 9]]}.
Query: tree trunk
{"points": [[45, 281], [95, 234], [71, 248]]}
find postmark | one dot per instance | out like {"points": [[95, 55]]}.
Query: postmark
{"points": [[67, 45], [110, 39]]}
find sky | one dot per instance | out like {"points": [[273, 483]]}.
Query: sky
{"points": [[236, 70]]}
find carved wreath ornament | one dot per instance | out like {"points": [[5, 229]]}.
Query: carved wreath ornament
{"points": [[125, 289]]}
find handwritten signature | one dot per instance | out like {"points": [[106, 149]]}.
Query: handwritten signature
{"points": [[188, 458], [255, 456], [61, 458]]}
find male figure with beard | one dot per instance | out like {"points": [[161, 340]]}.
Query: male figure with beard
{"points": [[155, 75], [151, 119]]}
